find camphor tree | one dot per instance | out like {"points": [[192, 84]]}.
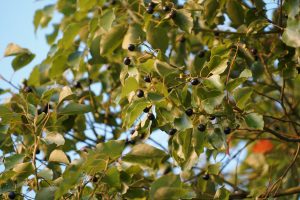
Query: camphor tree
{"points": [[218, 78]]}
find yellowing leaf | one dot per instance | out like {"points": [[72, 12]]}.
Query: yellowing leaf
{"points": [[58, 156]]}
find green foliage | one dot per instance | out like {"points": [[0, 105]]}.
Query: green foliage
{"points": [[87, 125]]}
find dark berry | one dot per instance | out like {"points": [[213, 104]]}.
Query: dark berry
{"points": [[78, 85], [147, 79], [39, 111], [12, 195], [216, 34], [227, 130], [95, 179], [84, 149], [28, 89], [146, 110], [127, 61], [140, 93], [131, 47], [182, 39], [277, 128], [37, 151], [201, 127], [46, 108], [151, 116], [173, 14], [132, 142], [205, 177], [172, 131], [166, 9], [132, 132], [150, 10], [195, 81], [152, 4], [254, 51], [201, 54], [212, 117], [189, 112]]}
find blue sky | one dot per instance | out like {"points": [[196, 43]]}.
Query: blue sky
{"points": [[16, 22]]}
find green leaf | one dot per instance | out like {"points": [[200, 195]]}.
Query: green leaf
{"points": [[69, 35], [112, 148], [58, 156], [85, 5], [291, 34], [106, 19], [23, 56], [214, 168], [183, 150], [222, 193], [234, 83], [217, 139], [95, 162], [182, 123], [23, 170], [54, 138], [37, 18], [34, 78], [70, 177], [199, 141], [13, 160], [6, 114], [112, 39], [163, 68], [157, 36], [154, 96], [242, 95], [22, 60], [47, 193], [145, 155], [184, 20], [65, 94], [235, 12], [255, 121], [134, 111], [134, 35], [170, 187], [217, 65], [112, 178], [130, 85], [75, 109], [59, 65], [210, 10], [46, 173]]}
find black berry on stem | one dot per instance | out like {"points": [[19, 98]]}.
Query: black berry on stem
{"points": [[227, 130], [131, 47], [201, 127], [172, 131], [140, 93], [127, 61], [189, 112], [147, 79], [195, 81], [12, 195], [151, 116], [205, 176], [166, 8]]}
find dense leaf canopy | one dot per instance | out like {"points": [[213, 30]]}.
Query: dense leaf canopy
{"points": [[217, 79]]}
